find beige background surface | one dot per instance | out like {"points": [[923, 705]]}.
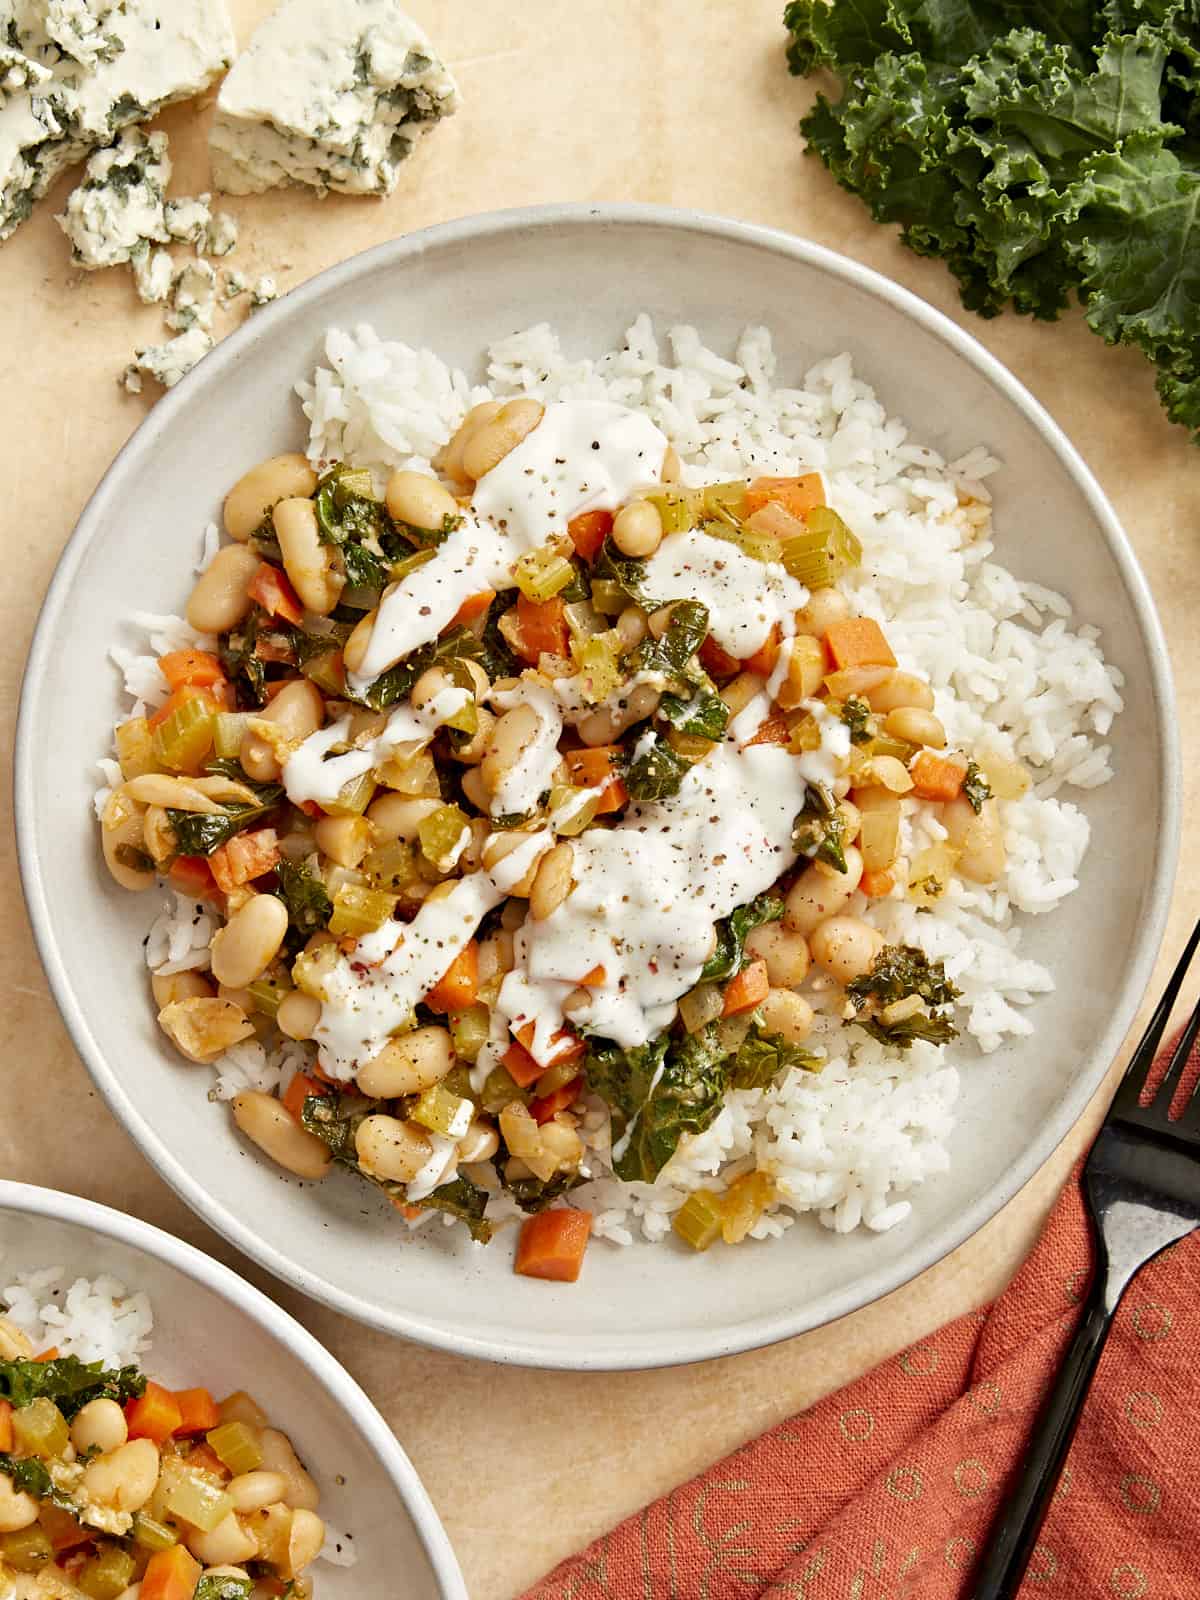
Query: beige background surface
{"points": [[683, 103]]}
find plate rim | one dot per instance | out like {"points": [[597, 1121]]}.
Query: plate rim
{"points": [[628, 1351]]}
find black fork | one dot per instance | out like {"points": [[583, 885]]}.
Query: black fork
{"points": [[1141, 1183]]}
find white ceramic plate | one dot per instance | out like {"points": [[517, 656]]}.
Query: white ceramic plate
{"points": [[212, 1329], [588, 270]]}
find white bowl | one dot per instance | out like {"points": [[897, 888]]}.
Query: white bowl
{"points": [[213, 1329], [588, 270]]}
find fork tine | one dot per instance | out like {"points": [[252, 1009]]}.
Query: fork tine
{"points": [[1134, 1081], [1180, 1056]]}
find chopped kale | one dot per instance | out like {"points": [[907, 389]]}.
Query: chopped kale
{"points": [[531, 1194], [976, 787], [729, 956], [657, 772], [456, 644], [898, 972], [936, 1029], [820, 830], [464, 1200], [309, 646], [705, 714], [136, 860], [856, 714], [496, 655], [309, 907], [627, 572], [351, 519], [762, 1056], [223, 1586], [657, 1093], [670, 655], [30, 1476], [244, 669], [69, 1382], [199, 833]]}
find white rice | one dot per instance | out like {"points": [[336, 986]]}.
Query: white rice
{"points": [[1009, 674]]}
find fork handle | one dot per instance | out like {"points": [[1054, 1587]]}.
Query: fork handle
{"points": [[1014, 1534]]}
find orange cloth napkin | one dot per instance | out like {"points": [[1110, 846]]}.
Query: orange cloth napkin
{"points": [[886, 1490]]}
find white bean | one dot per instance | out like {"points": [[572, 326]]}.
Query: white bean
{"points": [[915, 727], [253, 495], [343, 839], [449, 459], [221, 597], [637, 529], [816, 895], [17, 1509], [251, 1491], [846, 947], [226, 1544], [419, 500], [391, 1149], [304, 1542], [307, 560], [122, 839], [493, 440], [268, 1124], [552, 881], [398, 816], [787, 1014], [297, 710], [298, 1015], [784, 951], [245, 947], [279, 1456], [979, 839], [825, 606], [900, 689], [513, 733], [99, 1425], [408, 1063], [123, 1478]]}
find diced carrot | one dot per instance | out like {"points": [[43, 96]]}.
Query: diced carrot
{"points": [[244, 857], [279, 685], [155, 1415], [310, 808], [62, 1529], [773, 731], [298, 1091], [274, 593], [276, 651], [550, 1105], [49, 1354], [592, 978], [179, 696], [475, 605], [193, 877], [204, 1457], [200, 667], [566, 1045], [858, 642], [877, 885], [6, 1427], [596, 769], [746, 989], [198, 1411], [552, 1246], [171, 1575], [796, 495], [410, 1213], [588, 532], [717, 661], [937, 777], [457, 988], [764, 658], [541, 629], [520, 1065]]}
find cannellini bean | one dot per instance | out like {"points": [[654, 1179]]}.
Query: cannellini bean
{"points": [[496, 956], [343, 839], [472, 787], [297, 711], [17, 1509], [512, 734], [158, 835], [122, 839], [493, 439], [816, 895], [398, 816], [632, 626], [479, 1143], [251, 1491], [304, 1542], [637, 529], [307, 561], [253, 495], [123, 1478], [204, 1027], [563, 1144], [916, 727], [419, 500], [265, 1121], [298, 1015], [408, 1063], [825, 606], [245, 947], [449, 460], [221, 597], [228, 1543], [785, 953], [15, 1344], [279, 1456], [355, 647], [552, 881], [846, 947], [389, 1148], [900, 689], [500, 845], [607, 723], [160, 789], [979, 839], [99, 1425], [787, 1014]]}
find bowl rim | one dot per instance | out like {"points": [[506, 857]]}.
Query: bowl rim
{"points": [[629, 1351], [54, 1205]]}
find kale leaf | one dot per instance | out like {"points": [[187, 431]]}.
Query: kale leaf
{"points": [[657, 772], [627, 572], [464, 1200], [222, 1586], [729, 956], [705, 714], [199, 833], [856, 714], [685, 633], [456, 644], [820, 829], [243, 667], [309, 907], [531, 1194], [29, 1475], [308, 647], [657, 1093], [355, 523], [901, 970], [496, 655], [762, 1056], [69, 1382], [976, 788]]}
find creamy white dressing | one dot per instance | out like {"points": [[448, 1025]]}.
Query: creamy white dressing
{"points": [[584, 455], [532, 773], [745, 597], [509, 871], [440, 1168], [824, 765], [311, 773]]}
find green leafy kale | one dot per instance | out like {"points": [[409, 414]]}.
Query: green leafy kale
{"points": [[657, 772], [461, 1199], [69, 1382], [309, 907], [243, 668], [820, 829], [309, 646], [199, 833], [856, 714], [901, 970], [1045, 149], [704, 714], [761, 1057], [218, 1586], [627, 572], [355, 523], [729, 956], [30, 1476], [656, 1108], [976, 787], [456, 644], [686, 632], [496, 655], [531, 1194]]}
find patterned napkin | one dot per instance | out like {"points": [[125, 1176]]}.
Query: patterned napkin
{"points": [[886, 1490]]}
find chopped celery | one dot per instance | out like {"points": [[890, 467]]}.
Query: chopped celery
{"points": [[884, 745], [698, 1220], [135, 748], [352, 798], [40, 1429], [327, 671], [469, 1029], [458, 1082], [500, 1090], [541, 574], [266, 994], [443, 1112], [692, 747], [153, 1535], [107, 1574], [410, 773], [28, 1550], [357, 910], [557, 1077], [583, 620], [599, 663], [391, 866], [572, 809], [466, 718], [678, 508], [401, 569], [198, 1498], [825, 552], [309, 972], [441, 836], [229, 728], [520, 1132], [726, 501], [350, 483], [239, 1407], [805, 735], [185, 738], [758, 545], [744, 1202], [608, 597], [236, 1441], [700, 1006]]}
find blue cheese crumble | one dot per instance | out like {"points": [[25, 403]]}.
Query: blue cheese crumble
{"points": [[118, 208]]}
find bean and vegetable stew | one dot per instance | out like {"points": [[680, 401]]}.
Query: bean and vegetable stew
{"points": [[525, 796], [113, 1487]]}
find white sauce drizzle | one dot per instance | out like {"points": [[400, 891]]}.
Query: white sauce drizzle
{"points": [[509, 871], [307, 775], [532, 773], [439, 1169], [745, 597]]}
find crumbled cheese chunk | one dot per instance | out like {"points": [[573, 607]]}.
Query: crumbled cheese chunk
{"points": [[17, 72], [188, 219], [332, 93], [193, 297], [152, 273], [119, 205], [221, 235], [170, 361], [233, 285], [263, 291], [83, 29]]}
